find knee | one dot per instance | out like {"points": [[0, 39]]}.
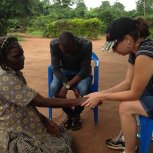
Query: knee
{"points": [[83, 91], [55, 87], [124, 108]]}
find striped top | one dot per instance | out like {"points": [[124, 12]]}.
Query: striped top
{"points": [[146, 48]]}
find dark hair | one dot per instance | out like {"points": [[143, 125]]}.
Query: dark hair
{"points": [[7, 43], [66, 39], [142, 29]]}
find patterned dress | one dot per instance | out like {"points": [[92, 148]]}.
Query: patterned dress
{"points": [[21, 129]]}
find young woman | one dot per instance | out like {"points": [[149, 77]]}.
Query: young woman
{"points": [[127, 36], [23, 128]]}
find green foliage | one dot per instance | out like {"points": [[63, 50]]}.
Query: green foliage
{"points": [[145, 7], [108, 15], [150, 22], [39, 23], [149, 19], [64, 3], [105, 5], [18, 9], [42, 15], [90, 28], [151, 32], [34, 33], [80, 9], [119, 6], [3, 27]]}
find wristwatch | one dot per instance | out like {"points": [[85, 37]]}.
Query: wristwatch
{"points": [[67, 86]]}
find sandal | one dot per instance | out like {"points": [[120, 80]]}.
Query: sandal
{"points": [[76, 124], [68, 123]]}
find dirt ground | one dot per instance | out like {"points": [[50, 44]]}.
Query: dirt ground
{"points": [[112, 70]]}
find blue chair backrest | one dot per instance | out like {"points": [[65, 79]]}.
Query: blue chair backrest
{"points": [[94, 86]]}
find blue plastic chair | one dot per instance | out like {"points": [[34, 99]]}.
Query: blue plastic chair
{"points": [[93, 88], [146, 128]]}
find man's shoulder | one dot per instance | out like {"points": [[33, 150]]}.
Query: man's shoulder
{"points": [[54, 42], [83, 42]]}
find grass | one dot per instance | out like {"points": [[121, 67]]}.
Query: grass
{"points": [[35, 33], [20, 38]]}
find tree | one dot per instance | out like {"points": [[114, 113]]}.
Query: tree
{"points": [[105, 5], [64, 3], [20, 9], [145, 7], [80, 9], [119, 6]]}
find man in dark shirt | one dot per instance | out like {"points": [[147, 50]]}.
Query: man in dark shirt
{"points": [[71, 62]]}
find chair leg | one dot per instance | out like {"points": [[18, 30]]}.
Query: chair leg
{"points": [[96, 115], [50, 113], [145, 134]]}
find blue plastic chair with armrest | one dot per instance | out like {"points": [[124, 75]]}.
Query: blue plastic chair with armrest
{"points": [[146, 129], [93, 88]]}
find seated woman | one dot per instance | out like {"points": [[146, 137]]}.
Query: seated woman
{"points": [[23, 128], [130, 37]]}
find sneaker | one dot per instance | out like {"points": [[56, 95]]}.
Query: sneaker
{"points": [[116, 143]]}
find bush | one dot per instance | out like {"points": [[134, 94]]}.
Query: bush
{"points": [[39, 22], [89, 28], [13, 25], [151, 32], [3, 27]]}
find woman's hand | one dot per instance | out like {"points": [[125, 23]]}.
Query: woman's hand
{"points": [[93, 100], [52, 128]]}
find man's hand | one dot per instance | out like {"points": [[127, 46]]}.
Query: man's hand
{"points": [[77, 95], [52, 128], [63, 92]]}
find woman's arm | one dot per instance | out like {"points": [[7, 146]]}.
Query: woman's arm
{"points": [[143, 71], [41, 101], [124, 85], [142, 74]]}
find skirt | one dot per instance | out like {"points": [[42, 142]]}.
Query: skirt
{"points": [[22, 143]]}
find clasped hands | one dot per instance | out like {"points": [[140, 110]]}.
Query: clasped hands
{"points": [[91, 100], [63, 92]]}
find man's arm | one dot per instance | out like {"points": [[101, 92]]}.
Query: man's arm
{"points": [[85, 65], [55, 60]]}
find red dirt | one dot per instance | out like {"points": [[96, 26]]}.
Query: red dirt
{"points": [[91, 138]]}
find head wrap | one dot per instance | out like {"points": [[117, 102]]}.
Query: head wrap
{"points": [[8, 43]]}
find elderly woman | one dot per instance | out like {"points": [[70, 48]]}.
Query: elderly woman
{"points": [[23, 128], [129, 37]]}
